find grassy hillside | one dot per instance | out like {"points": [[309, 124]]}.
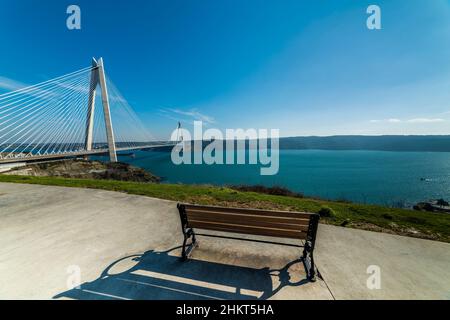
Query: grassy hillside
{"points": [[426, 225]]}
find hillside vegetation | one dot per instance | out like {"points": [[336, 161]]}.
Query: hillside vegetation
{"points": [[85, 169], [427, 225]]}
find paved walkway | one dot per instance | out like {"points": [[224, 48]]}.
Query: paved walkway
{"points": [[126, 247]]}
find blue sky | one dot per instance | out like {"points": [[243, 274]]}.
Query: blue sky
{"points": [[304, 67]]}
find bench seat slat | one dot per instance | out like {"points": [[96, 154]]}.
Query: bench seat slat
{"points": [[246, 217], [262, 221], [235, 228], [285, 214]]}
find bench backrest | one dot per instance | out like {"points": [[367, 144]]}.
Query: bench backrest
{"points": [[281, 224]]}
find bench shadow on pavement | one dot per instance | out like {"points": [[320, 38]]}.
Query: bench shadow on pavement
{"points": [[158, 275]]}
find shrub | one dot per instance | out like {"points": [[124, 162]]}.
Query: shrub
{"points": [[327, 212], [345, 222], [275, 190]]}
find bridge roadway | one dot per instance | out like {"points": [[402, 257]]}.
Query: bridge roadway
{"points": [[78, 153]]}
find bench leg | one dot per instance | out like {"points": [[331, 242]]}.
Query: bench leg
{"points": [[312, 270], [308, 256], [187, 249], [308, 261]]}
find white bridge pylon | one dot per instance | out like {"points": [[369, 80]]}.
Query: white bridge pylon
{"points": [[61, 118], [98, 78]]}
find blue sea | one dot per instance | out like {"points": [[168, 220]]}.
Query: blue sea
{"points": [[398, 179]]}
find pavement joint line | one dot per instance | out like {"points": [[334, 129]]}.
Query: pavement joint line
{"points": [[328, 287]]}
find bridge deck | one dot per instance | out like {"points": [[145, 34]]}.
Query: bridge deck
{"points": [[78, 153]]}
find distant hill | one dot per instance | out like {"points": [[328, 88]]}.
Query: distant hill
{"points": [[376, 143], [381, 143]]}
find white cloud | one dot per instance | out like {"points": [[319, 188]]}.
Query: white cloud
{"points": [[392, 120], [192, 114], [10, 84], [425, 120], [416, 120]]}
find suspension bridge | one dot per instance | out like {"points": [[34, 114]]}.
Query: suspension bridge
{"points": [[75, 115]]}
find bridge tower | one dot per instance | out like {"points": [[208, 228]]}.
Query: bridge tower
{"points": [[98, 78]]}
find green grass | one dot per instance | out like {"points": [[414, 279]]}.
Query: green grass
{"points": [[370, 217]]}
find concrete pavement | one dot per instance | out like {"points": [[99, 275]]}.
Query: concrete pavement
{"points": [[120, 246]]}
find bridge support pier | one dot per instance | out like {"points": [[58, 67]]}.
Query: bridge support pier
{"points": [[98, 78]]}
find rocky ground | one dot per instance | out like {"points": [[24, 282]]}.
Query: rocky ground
{"points": [[86, 169]]}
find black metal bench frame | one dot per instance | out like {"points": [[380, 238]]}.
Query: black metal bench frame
{"points": [[307, 256]]}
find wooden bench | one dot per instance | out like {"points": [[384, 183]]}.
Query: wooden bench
{"points": [[280, 224]]}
